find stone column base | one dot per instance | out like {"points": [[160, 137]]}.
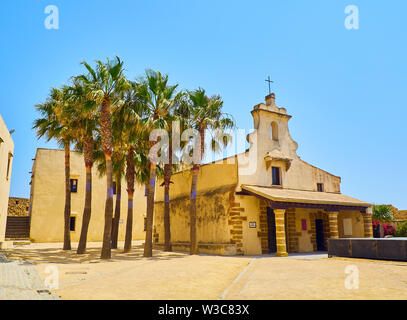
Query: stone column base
{"points": [[282, 254]]}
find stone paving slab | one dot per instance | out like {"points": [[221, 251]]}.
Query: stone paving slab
{"points": [[21, 280], [173, 276]]}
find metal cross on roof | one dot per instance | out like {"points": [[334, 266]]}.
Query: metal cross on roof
{"points": [[269, 82]]}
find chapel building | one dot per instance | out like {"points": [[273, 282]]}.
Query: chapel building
{"points": [[266, 200]]}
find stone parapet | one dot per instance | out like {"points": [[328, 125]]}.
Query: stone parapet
{"points": [[18, 207]]}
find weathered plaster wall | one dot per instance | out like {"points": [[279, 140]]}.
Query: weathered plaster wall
{"points": [[6, 153], [212, 218], [48, 200], [216, 188]]}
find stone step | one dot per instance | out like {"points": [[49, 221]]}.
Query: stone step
{"points": [[19, 241]]}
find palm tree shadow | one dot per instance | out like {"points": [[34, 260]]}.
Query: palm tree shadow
{"points": [[92, 255]]}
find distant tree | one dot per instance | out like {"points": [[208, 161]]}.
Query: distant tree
{"points": [[401, 230], [382, 214]]}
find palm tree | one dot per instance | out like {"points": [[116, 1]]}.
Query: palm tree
{"points": [[54, 124], [382, 214], [158, 98], [205, 113], [167, 182], [136, 171], [127, 122], [129, 154], [118, 162], [105, 85], [178, 116], [118, 169]]}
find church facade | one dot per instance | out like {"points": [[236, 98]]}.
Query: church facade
{"points": [[264, 201]]}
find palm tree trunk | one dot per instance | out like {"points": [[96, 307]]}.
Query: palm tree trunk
{"points": [[116, 220], [106, 133], [107, 233], [129, 223], [192, 208], [87, 211], [67, 209], [130, 193], [381, 229], [148, 246], [167, 225], [167, 181], [195, 171]]}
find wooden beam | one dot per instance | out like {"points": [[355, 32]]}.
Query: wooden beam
{"points": [[286, 205]]}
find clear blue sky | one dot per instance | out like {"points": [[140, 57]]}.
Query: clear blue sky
{"points": [[345, 89]]}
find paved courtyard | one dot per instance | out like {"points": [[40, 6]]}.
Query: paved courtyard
{"points": [[21, 280], [172, 276]]}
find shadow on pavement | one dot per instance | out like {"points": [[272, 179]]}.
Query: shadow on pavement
{"points": [[92, 255]]}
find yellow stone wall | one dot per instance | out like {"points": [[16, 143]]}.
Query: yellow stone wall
{"points": [[216, 187], [48, 200], [6, 149], [252, 241], [356, 217], [304, 236]]}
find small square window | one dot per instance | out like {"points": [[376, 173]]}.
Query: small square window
{"points": [[320, 187], [72, 223], [276, 176], [74, 185]]}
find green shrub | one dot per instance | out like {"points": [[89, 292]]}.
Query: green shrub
{"points": [[401, 230]]}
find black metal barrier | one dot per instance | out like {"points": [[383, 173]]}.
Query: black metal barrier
{"points": [[380, 249]]}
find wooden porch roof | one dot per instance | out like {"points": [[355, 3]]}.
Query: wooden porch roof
{"points": [[284, 198]]}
